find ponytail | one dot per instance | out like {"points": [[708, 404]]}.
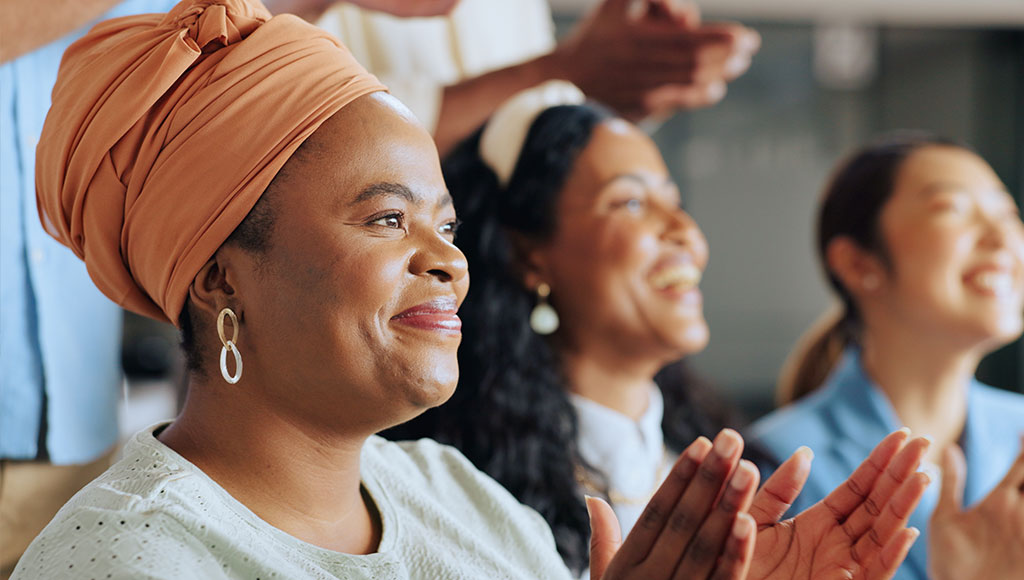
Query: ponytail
{"points": [[814, 356]]}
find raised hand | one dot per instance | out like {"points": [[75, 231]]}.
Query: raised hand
{"points": [[685, 531], [985, 541], [856, 532], [655, 60]]}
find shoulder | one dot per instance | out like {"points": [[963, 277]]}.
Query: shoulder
{"points": [[801, 423], [998, 404], [100, 533], [147, 516]]}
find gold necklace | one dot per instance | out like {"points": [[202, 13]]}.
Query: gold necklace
{"points": [[585, 480]]}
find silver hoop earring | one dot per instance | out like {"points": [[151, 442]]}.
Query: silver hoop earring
{"points": [[229, 346], [543, 318]]}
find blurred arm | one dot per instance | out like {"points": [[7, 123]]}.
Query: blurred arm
{"points": [[26, 25]]}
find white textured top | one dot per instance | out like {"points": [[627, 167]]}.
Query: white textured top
{"points": [[417, 57], [154, 515], [631, 454]]}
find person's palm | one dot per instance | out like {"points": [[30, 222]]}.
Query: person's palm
{"points": [[985, 540], [856, 532]]}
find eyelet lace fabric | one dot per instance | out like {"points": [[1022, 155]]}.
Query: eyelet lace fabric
{"points": [[155, 515]]}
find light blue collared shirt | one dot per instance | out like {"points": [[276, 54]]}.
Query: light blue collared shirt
{"points": [[843, 422], [60, 338]]}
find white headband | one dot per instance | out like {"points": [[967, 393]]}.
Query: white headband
{"points": [[505, 132]]}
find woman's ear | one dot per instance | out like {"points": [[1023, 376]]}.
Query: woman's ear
{"points": [[860, 271], [530, 262], [211, 291]]}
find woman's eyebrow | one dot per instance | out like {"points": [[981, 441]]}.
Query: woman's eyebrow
{"points": [[386, 189]]}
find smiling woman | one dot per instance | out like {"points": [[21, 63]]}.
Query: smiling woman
{"points": [[925, 248]]}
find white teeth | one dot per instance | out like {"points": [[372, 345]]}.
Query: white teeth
{"points": [[999, 283], [680, 277]]}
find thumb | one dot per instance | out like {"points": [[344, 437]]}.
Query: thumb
{"points": [[954, 472], [605, 536]]}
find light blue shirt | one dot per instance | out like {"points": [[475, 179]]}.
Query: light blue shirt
{"points": [[60, 338], [843, 422]]}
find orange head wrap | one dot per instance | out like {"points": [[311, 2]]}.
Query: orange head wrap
{"points": [[166, 129]]}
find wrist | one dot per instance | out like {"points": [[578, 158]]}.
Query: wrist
{"points": [[554, 65]]}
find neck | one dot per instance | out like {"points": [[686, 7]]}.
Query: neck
{"points": [[621, 385], [303, 483], [925, 379]]}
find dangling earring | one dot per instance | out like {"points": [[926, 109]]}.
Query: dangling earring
{"points": [[229, 346], [543, 318]]}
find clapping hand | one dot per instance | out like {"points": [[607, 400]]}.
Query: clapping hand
{"points": [[683, 532], [985, 541], [653, 61], [857, 531]]}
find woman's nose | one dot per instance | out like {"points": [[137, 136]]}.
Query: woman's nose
{"points": [[439, 257]]}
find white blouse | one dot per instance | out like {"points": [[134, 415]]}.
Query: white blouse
{"points": [[155, 515], [631, 454], [417, 57]]}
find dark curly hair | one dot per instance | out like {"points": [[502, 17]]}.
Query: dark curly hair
{"points": [[511, 414]]}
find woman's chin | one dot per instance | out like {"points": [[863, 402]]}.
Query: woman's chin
{"points": [[689, 339]]}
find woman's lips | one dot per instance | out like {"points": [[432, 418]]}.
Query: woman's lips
{"points": [[679, 280], [991, 281], [438, 314]]}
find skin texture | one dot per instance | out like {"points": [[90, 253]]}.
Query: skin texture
{"points": [[928, 323]]}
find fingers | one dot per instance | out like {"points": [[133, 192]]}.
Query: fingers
{"points": [[702, 553], [679, 13], [782, 488], [954, 474], [605, 536], [899, 469], [739, 550], [689, 513], [647, 528], [670, 98], [893, 517], [851, 493], [892, 555], [1014, 478]]}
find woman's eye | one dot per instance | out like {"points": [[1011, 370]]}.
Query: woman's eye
{"points": [[392, 220], [450, 228], [632, 205], [956, 205]]}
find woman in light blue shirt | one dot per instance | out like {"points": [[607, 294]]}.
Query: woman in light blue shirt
{"points": [[925, 248]]}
